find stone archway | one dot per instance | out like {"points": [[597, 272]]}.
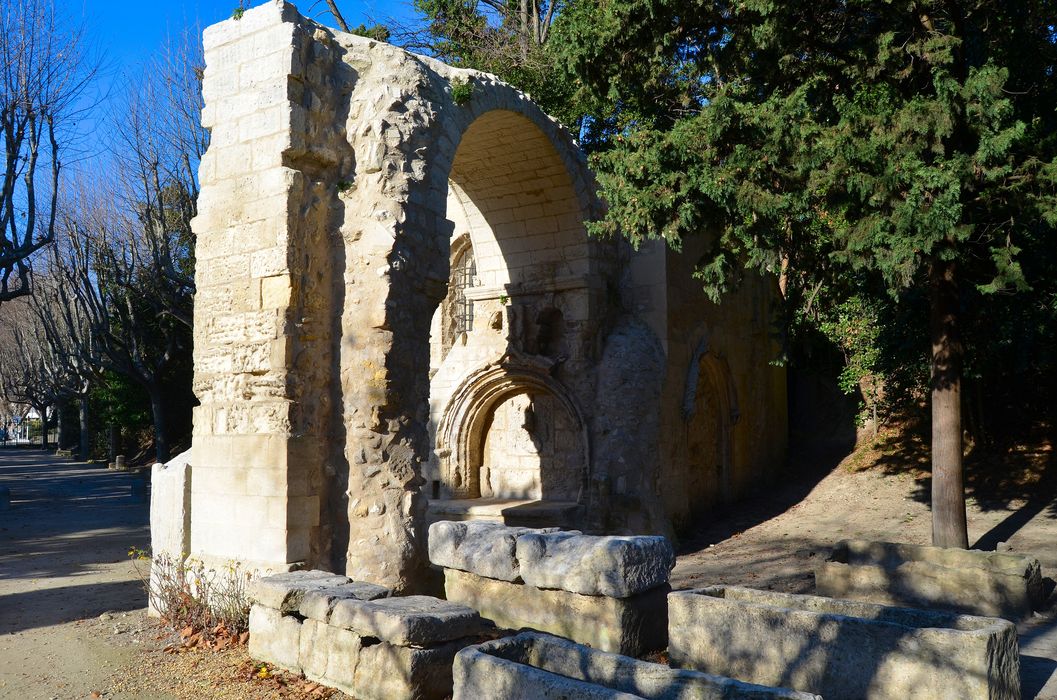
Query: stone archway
{"points": [[467, 426], [324, 234]]}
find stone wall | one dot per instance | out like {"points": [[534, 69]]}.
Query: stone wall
{"points": [[340, 181]]}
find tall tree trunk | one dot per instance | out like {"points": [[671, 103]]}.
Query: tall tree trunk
{"points": [[524, 33], [161, 435], [86, 435], [61, 426], [948, 490], [43, 411]]}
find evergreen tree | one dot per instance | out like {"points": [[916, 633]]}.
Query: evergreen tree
{"points": [[908, 142]]}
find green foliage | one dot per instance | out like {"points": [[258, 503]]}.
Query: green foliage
{"points": [[461, 91], [848, 146], [238, 12], [492, 37], [378, 32]]}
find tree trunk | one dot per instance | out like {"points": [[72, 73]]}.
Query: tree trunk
{"points": [[115, 441], [86, 435], [43, 411], [161, 435], [948, 491], [61, 426]]}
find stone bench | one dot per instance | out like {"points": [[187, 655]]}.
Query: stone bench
{"points": [[352, 636], [843, 649], [967, 581], [607, 592], [534, 666]]}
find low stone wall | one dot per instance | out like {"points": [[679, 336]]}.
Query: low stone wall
{"points": [[608, 592], [967, 581], [534, 666], [353, 637], [843, 649]]}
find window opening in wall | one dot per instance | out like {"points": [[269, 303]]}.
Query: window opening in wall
{"points": [[459, 307], [462, 279]]}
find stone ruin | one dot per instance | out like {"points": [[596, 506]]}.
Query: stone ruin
{"points": [[400, 318]]}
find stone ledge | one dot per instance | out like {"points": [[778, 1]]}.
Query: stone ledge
{"points": [[533, 666], [842, 649], [618, 567], [632, 626], [417, 620], [284, 592], [966, 581], [482, 548]]}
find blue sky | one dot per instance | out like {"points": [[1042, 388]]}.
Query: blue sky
{"points": [[126, 31]]}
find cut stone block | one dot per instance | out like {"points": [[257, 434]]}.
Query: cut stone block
{"points": [[631, 626], [482, 548], [843, 649], [618, 567], [534, 666], [410, 621], [370, 669], [284, 592], [170, 520], [275, 638], [317, 604], [967, 581]]}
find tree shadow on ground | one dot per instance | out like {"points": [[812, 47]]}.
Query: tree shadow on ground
{"points": [[45, 607], [1017, 473]]}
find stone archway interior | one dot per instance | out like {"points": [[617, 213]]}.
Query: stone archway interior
{"points": [[517, 219], [531, 450]]}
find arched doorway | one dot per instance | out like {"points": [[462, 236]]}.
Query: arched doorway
{"points": [[710, 423]]}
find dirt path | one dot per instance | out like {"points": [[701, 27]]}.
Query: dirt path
{"points": [[64, 541]]}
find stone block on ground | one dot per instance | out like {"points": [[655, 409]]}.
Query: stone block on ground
{"points": [[170, 520], [275, 638], [370, 668], [479, 547], [967, 581], [843, 649], [317, 604], [632, 626], [618, 567], [534, 666], [284, 592], [409, 621]]}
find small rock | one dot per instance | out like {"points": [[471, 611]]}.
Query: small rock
{"points": [[106, 616]]}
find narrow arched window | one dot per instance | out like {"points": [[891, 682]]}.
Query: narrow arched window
{"points": [[458, 306]]}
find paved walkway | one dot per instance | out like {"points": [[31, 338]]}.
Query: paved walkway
{"points": [[64, 542]]}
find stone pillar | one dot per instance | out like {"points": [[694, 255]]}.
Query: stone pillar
{"points": [[253, 497]]}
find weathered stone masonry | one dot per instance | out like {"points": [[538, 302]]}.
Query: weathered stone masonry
{"points": [[341, 182]]}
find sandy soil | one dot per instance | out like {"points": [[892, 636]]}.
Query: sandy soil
{"points": [[72, 624]]}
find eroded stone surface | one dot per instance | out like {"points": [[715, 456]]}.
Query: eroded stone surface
{"points": [[275, 638], [284, 592], [604, 566], [410, 621], [533, 666], [317, 604], [631, 626], [967, 581], [482, 548], [843, 649]]}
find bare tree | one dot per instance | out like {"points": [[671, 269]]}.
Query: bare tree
{"points": [[43, 76], [28, 374], [128, 248]]}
